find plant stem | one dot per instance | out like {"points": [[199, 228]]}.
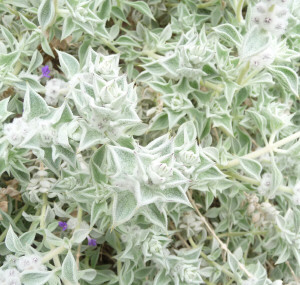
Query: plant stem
{"points": [[53, 253], [243, 178], [213, 86], [239, 9], [252, 181], [243, 73], [44, 208], [111, 46], [151, 54], [79, 217], [237, 234], [78, 257], [212, 232], [213, 263], [35, 223], [266, 149], [119, 264], [17, 68]]}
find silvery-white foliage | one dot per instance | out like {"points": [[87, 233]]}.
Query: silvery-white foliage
{"points": [[149, 142]]}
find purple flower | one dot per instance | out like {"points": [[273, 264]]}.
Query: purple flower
{"points": [[63, 225], [91, 241], [45, 71]]}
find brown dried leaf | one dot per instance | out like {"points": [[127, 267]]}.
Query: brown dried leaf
{"points": [[3, 207]]}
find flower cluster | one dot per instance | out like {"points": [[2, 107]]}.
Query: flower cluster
{"points": [[16, 266], [271, 16], [265, 184], [296, 195], [39, 184], [264, 58], [193, 52], [16, 131], [262, 214], [56, 90]]}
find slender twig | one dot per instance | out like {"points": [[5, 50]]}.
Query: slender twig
{"points": [[212, 232], [238, 234], [78, 256], [205, 257], [252, 181], [297, 279], [259, 152]]}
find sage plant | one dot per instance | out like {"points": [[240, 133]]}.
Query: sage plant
{"points": [[149, 142]]}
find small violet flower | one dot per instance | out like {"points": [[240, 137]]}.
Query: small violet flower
{"points": [[45, 71], [63, 225], [91, 241]]}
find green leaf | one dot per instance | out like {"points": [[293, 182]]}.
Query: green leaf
{"points": [[8, 36], [35, 277], [87, 274], [155, 215], [259, 120], [105, 10], [19, 171], [68, 27], [175, 195], [9, 59], [124, 207], [117, 12], [64, 153], [287, 78], [225, 123], [162, 87], [36, 61], [46, 13], [46, 47], [69, 269], [26, 23], [122, 159], [251, 167], [3, 110], [229, 33], [232, 263], [12, 242], [80, 235], [209, 197], [28, 237], [97, 210], [126, 41], [186, 134], [68, 64], [34, 105], [283, 257], [174, 117], [255, 41], [141, 7], [97, 163], [277, 179], [160, 122]]}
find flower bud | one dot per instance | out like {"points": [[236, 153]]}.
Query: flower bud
{"points": [[55, 90], [256, 217], [251, 208], [158, 172], [265, 184]]}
